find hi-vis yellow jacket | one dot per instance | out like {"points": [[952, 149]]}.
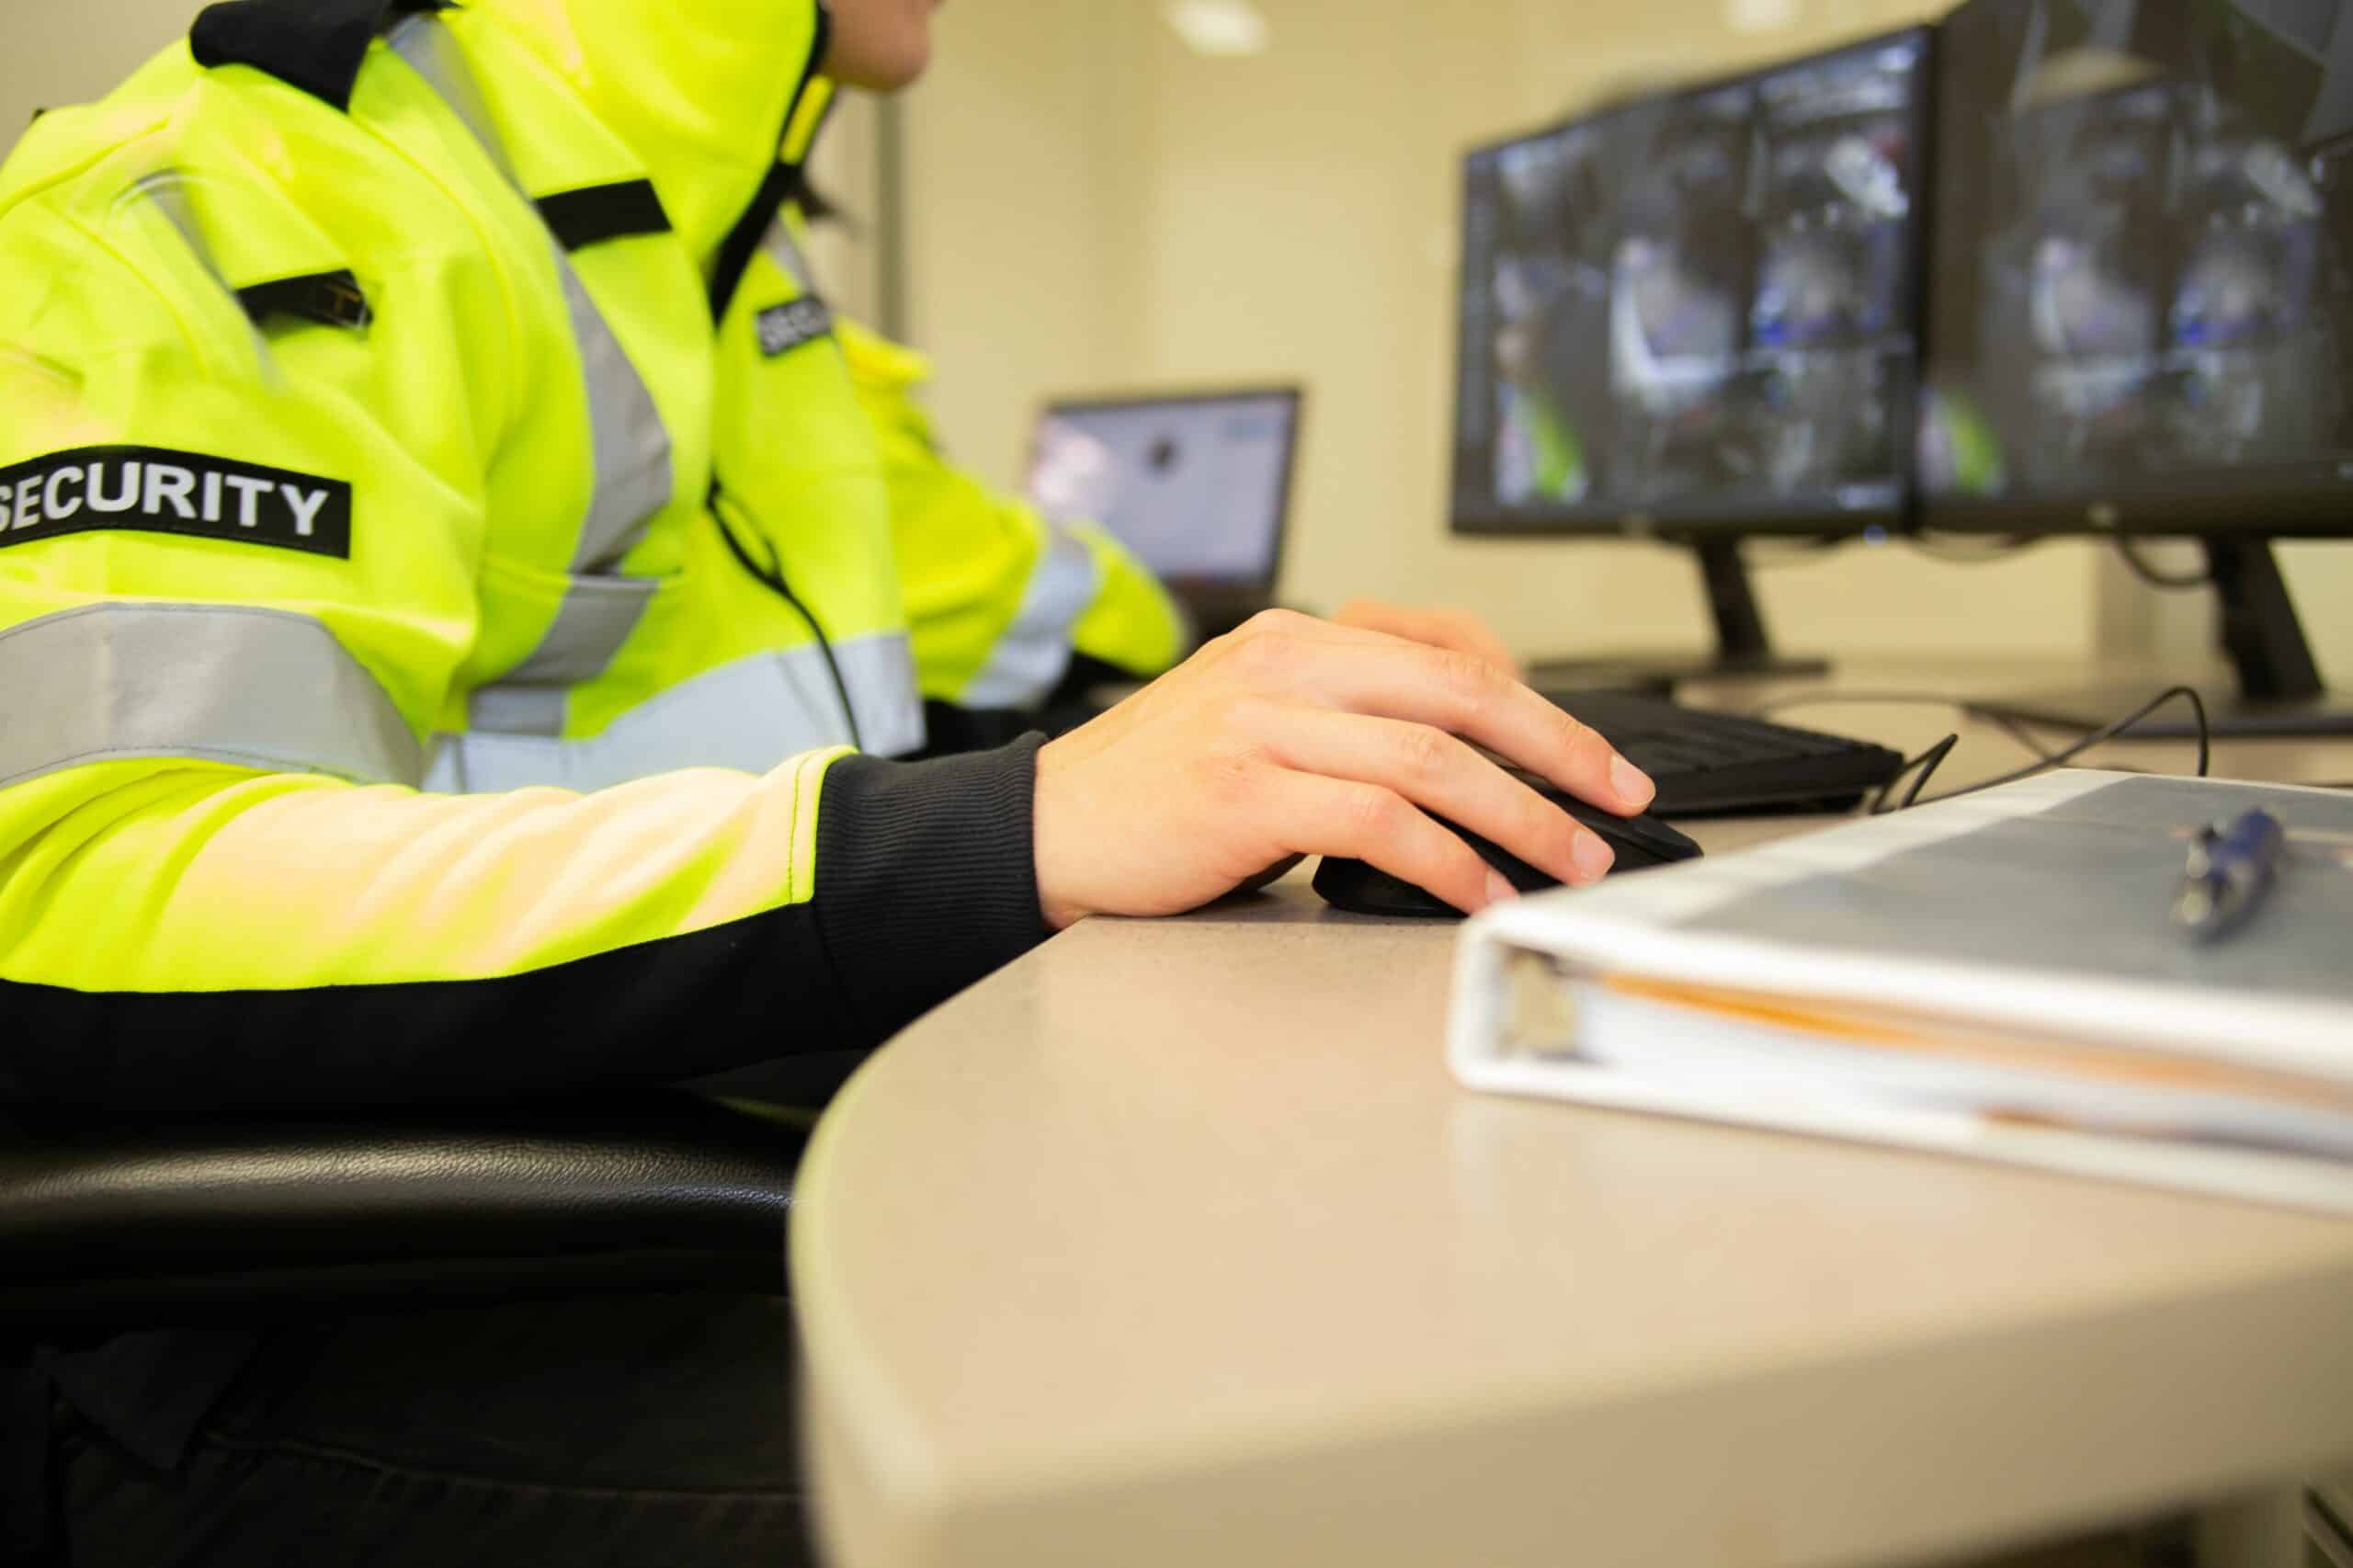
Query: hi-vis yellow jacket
{"points": [[447, 570]]}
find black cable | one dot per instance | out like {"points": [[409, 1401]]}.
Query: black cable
{"points": [[2045, 759], [1927, 762], [2173, 581], [2101, 736], [773, 577], [1935, 755]]}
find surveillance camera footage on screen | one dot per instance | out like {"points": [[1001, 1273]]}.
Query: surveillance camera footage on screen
{"points": [[1700, 305], [2143, 269]]}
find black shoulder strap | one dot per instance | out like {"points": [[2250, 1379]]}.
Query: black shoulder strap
{"points": [[329, 299], [781, 184], [590, 216], [315, 45]]}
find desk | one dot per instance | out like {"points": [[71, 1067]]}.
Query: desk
{"points": [[1175, 1243]]}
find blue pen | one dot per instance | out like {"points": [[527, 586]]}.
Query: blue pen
{"points": [[2229, 870]]}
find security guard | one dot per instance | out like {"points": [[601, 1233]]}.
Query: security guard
{"points": [[386, 438], [455, 623]]}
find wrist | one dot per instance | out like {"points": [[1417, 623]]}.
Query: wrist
{"points": [[1056, 905], [925, 875]]}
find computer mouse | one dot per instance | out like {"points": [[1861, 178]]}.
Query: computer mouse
{"points": [[1640, 843]]}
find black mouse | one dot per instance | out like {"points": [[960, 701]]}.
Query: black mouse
{"points": [[1640, 843]]}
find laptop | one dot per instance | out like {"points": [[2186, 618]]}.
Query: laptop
{"points": [[1197, 484]]}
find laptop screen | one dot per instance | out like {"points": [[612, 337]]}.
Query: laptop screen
{"points": [[1197, 486]]}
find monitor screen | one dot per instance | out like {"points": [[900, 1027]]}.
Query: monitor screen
{"points": [[1699, 309], [1196, 486], [2143, 302]]}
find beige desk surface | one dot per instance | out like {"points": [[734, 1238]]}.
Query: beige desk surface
{"points": [[1175, 1242]]}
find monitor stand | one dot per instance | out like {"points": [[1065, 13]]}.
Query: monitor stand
{"points": [[2279, 690], [1744, 652]]}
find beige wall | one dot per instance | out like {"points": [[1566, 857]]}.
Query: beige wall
{"points": [[1028, 182], [846, 254], [53, 54], [1094, 205], [2321, 578]]}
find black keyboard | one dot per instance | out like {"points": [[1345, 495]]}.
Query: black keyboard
{"points": [[1706, 764]]}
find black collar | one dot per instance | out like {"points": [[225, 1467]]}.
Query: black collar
{"points": [[315, 45]]}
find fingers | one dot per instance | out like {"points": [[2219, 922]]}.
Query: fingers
{"points": [[1455, 692], [1364, 822], [1295, 736], [1441, 774], [1455, 628]]}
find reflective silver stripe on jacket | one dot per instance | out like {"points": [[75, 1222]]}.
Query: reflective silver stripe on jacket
{"points": [[748, 715], [782, 249], [167, 190], [596, 618], [217, 683], [631, 448], [880, 672], [1030, 658]]}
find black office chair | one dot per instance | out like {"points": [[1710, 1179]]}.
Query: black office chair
{"points": [[169, 1226]]}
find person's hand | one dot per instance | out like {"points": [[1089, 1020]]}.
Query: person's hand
{"points": [[1443, 628], [1295, 736]]}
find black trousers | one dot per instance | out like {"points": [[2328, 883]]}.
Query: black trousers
{"points": [[654, 1430]]}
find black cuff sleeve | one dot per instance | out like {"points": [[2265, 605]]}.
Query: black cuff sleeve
{"points": [[927, 877]]}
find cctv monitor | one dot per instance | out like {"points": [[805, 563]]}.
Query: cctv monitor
{"points": [[1694, 317], [2141, 317]]}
